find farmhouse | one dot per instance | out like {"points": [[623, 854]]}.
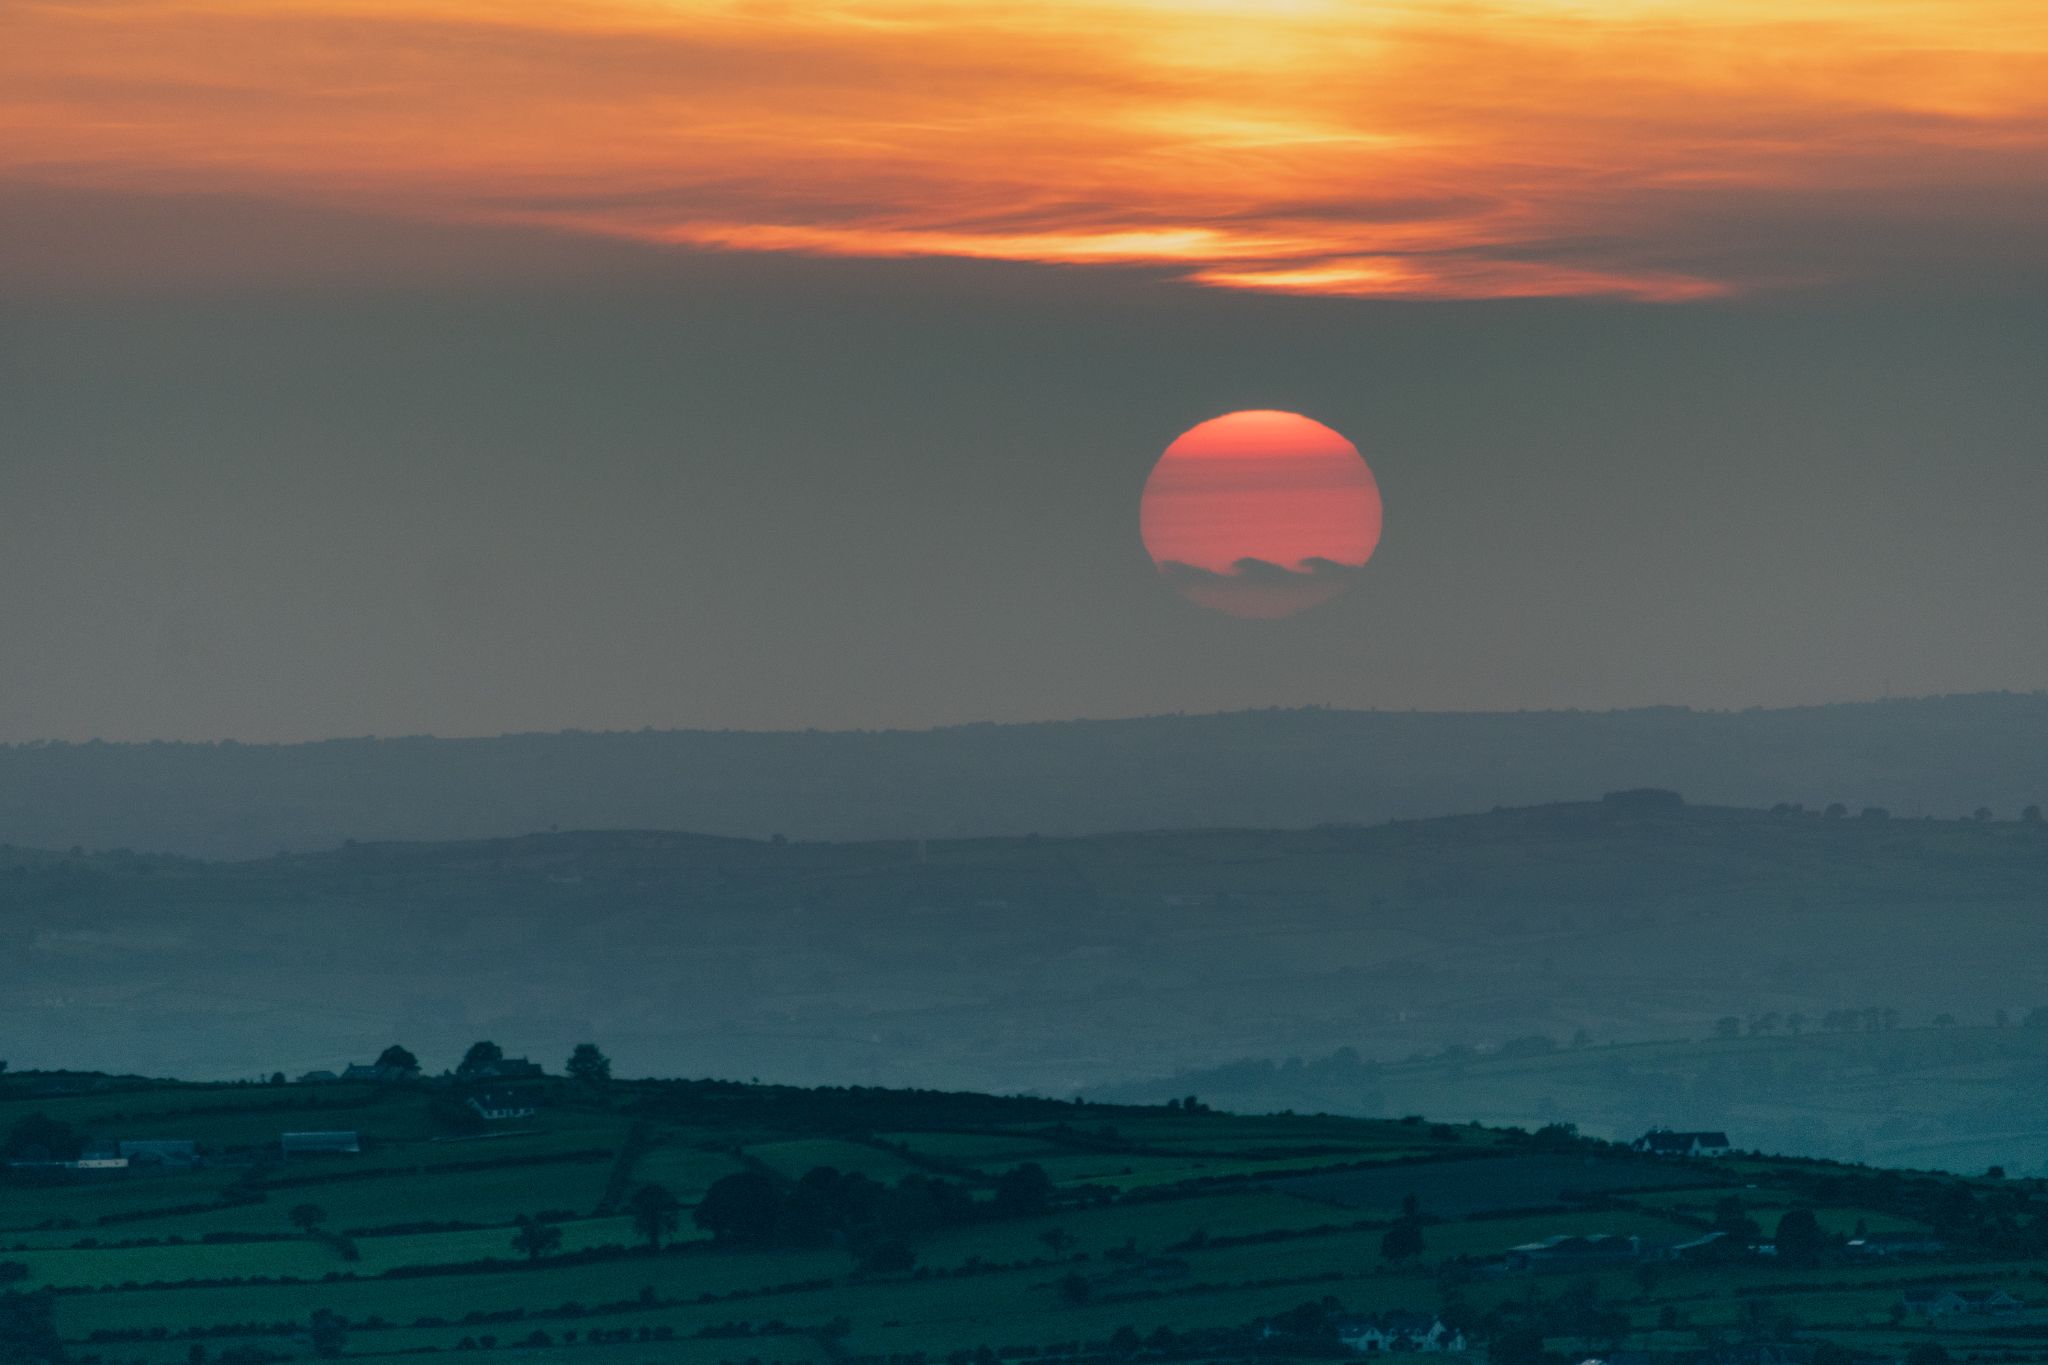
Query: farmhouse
{"points": [[1938, 1302], [1666, 1142], [1399, 1330], [160, 1151], [506, 1069], [498, 1105], [347, 1143], [1707, 1246]]}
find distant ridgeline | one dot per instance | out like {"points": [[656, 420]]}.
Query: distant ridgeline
{"points": [[1944, 756], [713, 1223]]}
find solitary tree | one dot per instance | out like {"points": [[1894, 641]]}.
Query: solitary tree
{"points": [[1800, 1238], [307, 1217], [329, 1333], [656, 1211], [1025, 1189], [535, 1238], [588, 1065], [1056, 1240], [479, 1056], [2030, 816], [1403, 1240], [397, 1058], [28, 1328]]}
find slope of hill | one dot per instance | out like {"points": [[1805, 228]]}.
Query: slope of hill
{"points": [[1056, 965], [709, 1222], [1943, 756]]}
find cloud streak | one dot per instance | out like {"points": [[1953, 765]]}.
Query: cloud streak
{"points": [[1418, 148]]}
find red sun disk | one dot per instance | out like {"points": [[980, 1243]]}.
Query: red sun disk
{"points": [[1260, 513]]}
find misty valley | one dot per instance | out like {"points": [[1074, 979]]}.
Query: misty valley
{"points": [[1823, 983]]}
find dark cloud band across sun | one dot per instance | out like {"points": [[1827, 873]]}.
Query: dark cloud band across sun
{"points": [[1645, 149]]}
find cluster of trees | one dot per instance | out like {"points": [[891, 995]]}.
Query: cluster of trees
{"points": [[655, 1210], [38, 1137], [831, 1207], [586, 1063], [1838, 810]]}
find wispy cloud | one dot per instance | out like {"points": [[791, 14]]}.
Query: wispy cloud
{"points": [[1412, 148]]}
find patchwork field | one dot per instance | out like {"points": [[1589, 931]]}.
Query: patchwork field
{"points": [[913, 1224]]}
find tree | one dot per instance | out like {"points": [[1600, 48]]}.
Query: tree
{"points": [[479, 1056], [656, 1212], [1023, 1190], [2030, 816], [42, 1138], [1730, 1217], [1982, 815], [1056, 1240], [307, 1217], [741, 1209], [1835, 811], [329, 1331], [1800, 1238], [396, 1058], [589, 1066], [535, 1238], [28, 1329], [1403, 1240]]}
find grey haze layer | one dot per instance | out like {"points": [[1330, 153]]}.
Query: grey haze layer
{"points": [[1618, 963], [1944, 756]]}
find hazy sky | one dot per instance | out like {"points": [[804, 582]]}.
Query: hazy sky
{"points": [[370, 367]]}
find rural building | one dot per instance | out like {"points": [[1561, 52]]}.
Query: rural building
{"points": [[1666, 1142], [498, 1105], [1941, 1303], [1399, 1330], [1573, 1253], [1897, 1244], [506, 1069], [160, 1151], [1706, 1247], [99, 1156], [320, 1144]]}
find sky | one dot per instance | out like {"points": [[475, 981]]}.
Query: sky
{"points": [[461, 366]]}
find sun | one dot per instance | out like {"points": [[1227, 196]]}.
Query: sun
{"points": [[1260, 513]]}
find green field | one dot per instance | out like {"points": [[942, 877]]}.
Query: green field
{"points": [[1186, 1222]]}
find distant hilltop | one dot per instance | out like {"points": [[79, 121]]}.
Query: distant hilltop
{"points": [[1944, 756]]}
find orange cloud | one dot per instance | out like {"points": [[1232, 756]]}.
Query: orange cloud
{"points": [[1406, 148]]}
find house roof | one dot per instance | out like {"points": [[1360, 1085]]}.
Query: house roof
{"points": [[1667, 1140]]}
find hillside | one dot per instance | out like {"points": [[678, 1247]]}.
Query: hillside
{"points": [[1060, 965], [895, 1227], [1942, 756], [1950, 1097]]}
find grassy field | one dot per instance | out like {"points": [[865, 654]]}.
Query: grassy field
{"points": [[1176, 1221]]}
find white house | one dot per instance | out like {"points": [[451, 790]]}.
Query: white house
{"points": [[1665, 1142], [1424, 1333], [500, 1105]]}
